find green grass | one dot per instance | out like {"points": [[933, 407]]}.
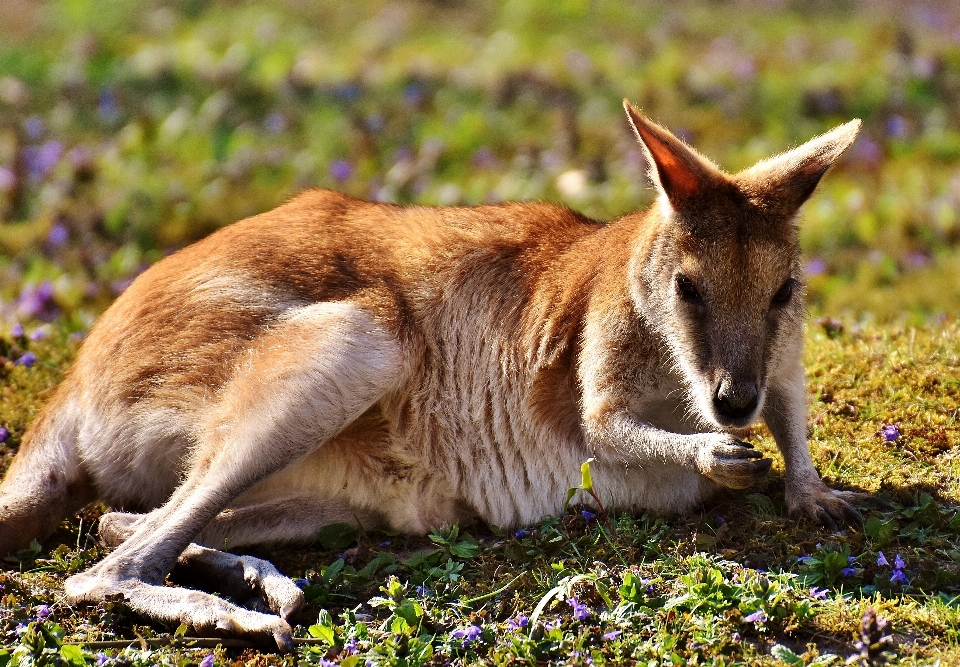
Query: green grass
{"points": [[127, 130], [678, 589]]}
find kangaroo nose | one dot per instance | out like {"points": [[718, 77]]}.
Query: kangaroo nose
{"points": [[735, 400]]}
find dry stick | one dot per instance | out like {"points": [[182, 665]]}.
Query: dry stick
{"points": [[188, 642]]}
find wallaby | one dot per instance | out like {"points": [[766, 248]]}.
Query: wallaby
{"points": [[410, 367]]}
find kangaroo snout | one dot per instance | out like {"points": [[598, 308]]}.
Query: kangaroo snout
{"points": [[735, 402]]}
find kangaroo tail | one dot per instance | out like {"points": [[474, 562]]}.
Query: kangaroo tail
{"points": [[46, 481]]}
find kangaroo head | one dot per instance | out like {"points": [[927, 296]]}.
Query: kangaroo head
{"points": [[717, 269]]}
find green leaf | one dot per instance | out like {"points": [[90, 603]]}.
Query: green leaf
{"points": [[782, 653], [73, 655], [409, 611], [323, 632], [337, 536], [586, 479], [399, 626], [350, 661], [465, 549], [4, 657]]}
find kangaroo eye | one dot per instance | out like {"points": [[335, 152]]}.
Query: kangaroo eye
{"points": [[687, 291], [783, 295]]}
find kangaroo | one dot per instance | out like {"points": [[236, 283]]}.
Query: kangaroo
{"points": [[335, 360]]}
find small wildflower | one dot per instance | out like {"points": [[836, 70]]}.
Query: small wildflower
{"points": [[805, 560], [207, 662], [720, 521], [890, 432], [17, 331], [351, 646], [587, 514], [550, 627], [467, 635], [423, 591], [102, 659], [898, 563], [610, 636], [759, 616], [882, 560], [341, 170], [4, 434], [580, 611], [21, 629], [58, 235], [38, 334], [520, 534], [28, 359], [42, 611], [898, 577], [851, 560], [324, 663], [818, 593], [848, 571], [517, 622], [385, 543], [300, 583]]}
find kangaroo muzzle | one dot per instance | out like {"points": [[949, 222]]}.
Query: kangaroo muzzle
{"points": [[735, 401]]}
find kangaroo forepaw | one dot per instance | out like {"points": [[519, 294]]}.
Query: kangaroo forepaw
{"points": [[731, 463]]}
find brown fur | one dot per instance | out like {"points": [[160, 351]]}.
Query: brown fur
{"points": [[336, 359]]}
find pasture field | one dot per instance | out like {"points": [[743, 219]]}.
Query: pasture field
{"points": [[129, 129]]}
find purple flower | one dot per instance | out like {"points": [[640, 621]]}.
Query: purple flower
{"points": [[898, 577], [58, 235], [897, 127], [818, 593], [520, 534], [16, 331], [102, 659], [351, 646], [720, 521], [34, 126], [580, 611], [341, 170], [468, 634], [4, 434], [882, 560], [423, 591], [385, 543], [898, 563], [300, 583], [38, 334], [816, 267], [41, 159], [327, 663], [848, 571], [35, 300], [107, 104], [517, 622], [890, 432], [7, 179], [42, 611], [610, 636], [207, 662], [759, 616], [276, 123], [805, 560], [587, 514], [28, 359]]}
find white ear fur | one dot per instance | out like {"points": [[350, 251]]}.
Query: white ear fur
{"points": [[792, 176]]}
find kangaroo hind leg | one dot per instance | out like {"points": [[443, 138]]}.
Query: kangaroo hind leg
{"points": [[301, 383]]}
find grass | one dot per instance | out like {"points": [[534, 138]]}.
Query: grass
{"points": [[739, 583], [127, 130]]}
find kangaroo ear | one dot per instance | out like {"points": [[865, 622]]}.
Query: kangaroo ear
{"points": [[677, 170], [788, 179]]}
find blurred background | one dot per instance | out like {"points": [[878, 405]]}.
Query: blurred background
{"points": [[129, 128]]}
